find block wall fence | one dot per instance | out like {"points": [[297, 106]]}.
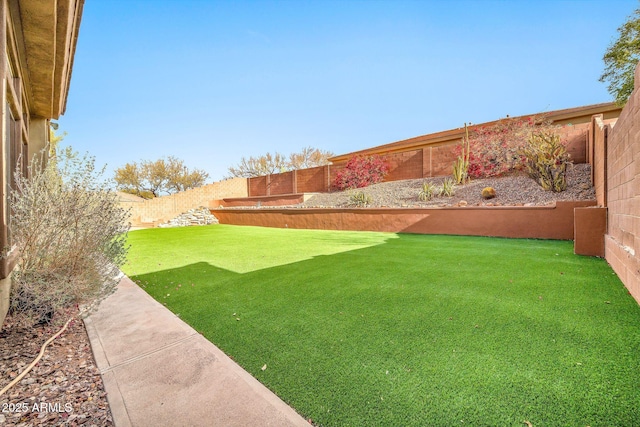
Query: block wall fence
{"points": [[423, 162], [161, 209], [611, 146], [613, 149]]}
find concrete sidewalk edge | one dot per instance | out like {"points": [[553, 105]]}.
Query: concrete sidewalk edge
{"points": [[114, 396], [109, 370]]}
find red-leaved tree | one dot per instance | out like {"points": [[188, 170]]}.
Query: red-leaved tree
{"points": [[361, 171], [497, 149]]}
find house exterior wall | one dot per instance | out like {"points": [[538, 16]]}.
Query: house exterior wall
{"points": [[38, 40]]}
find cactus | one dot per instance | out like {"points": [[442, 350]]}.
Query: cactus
{"points": [[488, 193], [461, 165], [547, 160]]}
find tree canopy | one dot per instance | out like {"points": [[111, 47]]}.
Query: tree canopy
{"points": [[150, 179], [258, 166], [309, 158], [621, 59], [269, 163]]}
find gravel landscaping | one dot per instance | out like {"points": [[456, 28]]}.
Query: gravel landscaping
{"points": [[513, 190]]}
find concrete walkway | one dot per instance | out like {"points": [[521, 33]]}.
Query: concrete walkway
{"points": [[158, 371]]}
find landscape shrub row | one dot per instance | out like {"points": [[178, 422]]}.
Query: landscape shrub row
{"points": [[532, 144]]}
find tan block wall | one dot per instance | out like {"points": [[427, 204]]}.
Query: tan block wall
{"points": [[622, 243], [404, 165], [442, 159], [257, 186], [576, 139], [162, 209], [598, 160], [411, 164], [312, 180], [281, 183]]}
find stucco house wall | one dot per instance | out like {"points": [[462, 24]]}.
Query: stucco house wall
{"points": [[38, 41]]}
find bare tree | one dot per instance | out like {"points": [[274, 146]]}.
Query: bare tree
{"points": [[309, 158], [258, 166], [276, 163]]}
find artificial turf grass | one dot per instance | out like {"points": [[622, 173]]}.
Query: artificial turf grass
{"points": [[383, 329]]}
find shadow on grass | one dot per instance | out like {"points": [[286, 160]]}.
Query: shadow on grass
{"points": [[426, 330]]}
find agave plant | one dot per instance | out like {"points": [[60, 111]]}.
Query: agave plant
{"points": [[448, 188], [360, 199], [427, 192]]}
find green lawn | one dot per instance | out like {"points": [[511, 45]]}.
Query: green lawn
{"points": [[381, 329]]}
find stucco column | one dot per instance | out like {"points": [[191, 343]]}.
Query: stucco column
{"points": [[38, 136]]}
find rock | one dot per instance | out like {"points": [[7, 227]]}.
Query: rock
{"points": [[462, 203], [199, 216]]}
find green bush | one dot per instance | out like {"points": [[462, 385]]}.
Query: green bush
{"points": [[546, 161]]}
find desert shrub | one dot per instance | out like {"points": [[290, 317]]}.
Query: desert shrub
{"points": [[547, 159], [448, 188], [427, 191], [496, 150], [69, 232], [361, 171], [360, 199]]}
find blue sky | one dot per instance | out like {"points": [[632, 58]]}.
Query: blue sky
{"points": [[212, 81]]}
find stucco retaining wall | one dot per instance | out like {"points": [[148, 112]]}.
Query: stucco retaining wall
{"points": [[590, 226], [552, 222]]}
